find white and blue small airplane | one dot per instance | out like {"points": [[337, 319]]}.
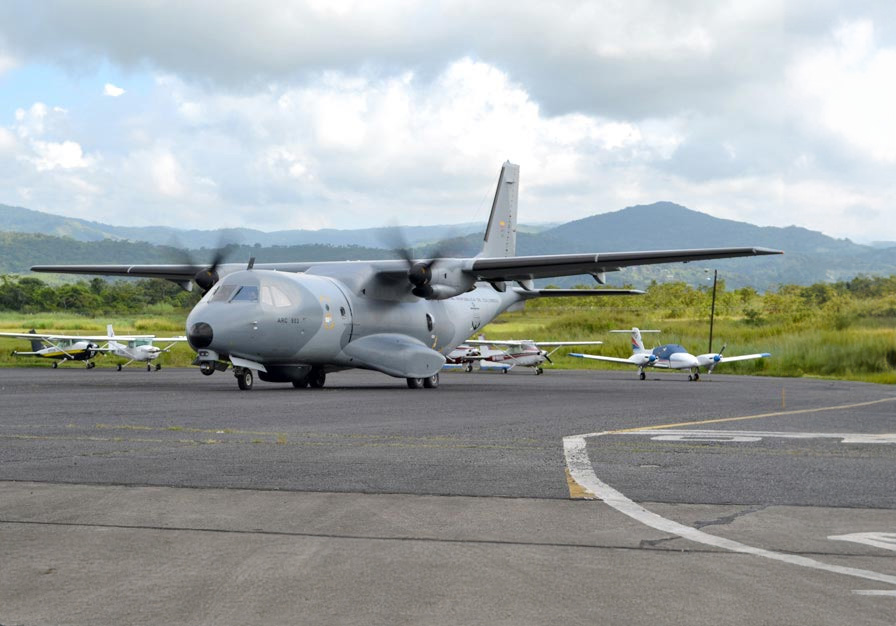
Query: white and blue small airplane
{"points": [[669, 356]]}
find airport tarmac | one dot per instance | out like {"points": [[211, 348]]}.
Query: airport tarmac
{"points": [[141, 497]]}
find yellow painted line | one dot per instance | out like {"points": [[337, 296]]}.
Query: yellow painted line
{"points": [[720, 420], [577, 491]]}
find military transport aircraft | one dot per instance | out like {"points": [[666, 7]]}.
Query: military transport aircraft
{"points": [[60, 348], [138, 348], [669, 356], [296, 322], [523, 352]]}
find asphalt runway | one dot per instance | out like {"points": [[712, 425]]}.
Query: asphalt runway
{"points": [[581, 496]]}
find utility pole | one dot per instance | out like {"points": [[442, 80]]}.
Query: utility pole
{"points": [[712, 312]]}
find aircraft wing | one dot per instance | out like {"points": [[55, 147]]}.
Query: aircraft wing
{"points": [[487, 269], [51, 337], [744, 357], [169, 339], [611, 359], [550, 265], [568, 343]]}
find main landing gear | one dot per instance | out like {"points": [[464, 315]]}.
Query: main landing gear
{"points": [[539, 371], [430, 382], [695, 376], [642, 375]]}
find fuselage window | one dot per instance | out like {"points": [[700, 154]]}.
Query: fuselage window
{"points": [[272, 295], [247, 293]]}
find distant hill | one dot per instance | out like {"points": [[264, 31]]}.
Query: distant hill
{"points": [[21, 220], [810, 257]]}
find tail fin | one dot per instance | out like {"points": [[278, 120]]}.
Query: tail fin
{"points": [[500, 234], [36, 344], [637, 342], [109, 330]]}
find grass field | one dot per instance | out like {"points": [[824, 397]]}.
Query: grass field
{"points": [[864, 349]]}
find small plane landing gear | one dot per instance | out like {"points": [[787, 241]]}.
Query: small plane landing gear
{"points": [[90, 365], [55, 364], [118, 367], [694, 377], [158, 366], [148, 367], [431, 382], [415, 383], [300, 384], [207, 368], [539, 371], [468, 368], [244, 378], [642, 375]]}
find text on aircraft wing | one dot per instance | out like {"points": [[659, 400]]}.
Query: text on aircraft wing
{"points": [[549, 265]]}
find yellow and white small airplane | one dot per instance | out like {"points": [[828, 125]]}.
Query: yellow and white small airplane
{"points": [[62, 348]]}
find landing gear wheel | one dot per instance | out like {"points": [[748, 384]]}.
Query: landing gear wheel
{"points": [[690, 377], [207, 368], [300, 384], [119, 367], [148, 367], [244, 378], [317, 378], [431, 382], [642, 375], [539, 371], [415, 383], [158, 366], [505, 370], [468, 368], [696, 376], [55, 364], [90, 365]]}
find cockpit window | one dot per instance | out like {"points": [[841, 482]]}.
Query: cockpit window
{"points": [[222, 293], [247, 293], [274, 296]]}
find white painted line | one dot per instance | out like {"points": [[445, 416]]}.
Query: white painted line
{"points": [[575, 450], [668, 434], [887, 541], [875, 592]]}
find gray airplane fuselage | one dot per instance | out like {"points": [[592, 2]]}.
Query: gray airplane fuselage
{"points": [[281, 318]]}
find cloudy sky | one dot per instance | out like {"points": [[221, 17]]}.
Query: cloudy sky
{"points": [[335, 113]]}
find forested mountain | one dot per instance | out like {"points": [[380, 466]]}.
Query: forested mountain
{"points": [[810, 257]]}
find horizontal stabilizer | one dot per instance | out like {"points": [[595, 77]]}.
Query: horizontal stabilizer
{"points": [[395, 355]]}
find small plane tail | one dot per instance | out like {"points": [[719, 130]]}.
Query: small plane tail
{"points": [[36, 344], [637, 341], [109, 330], [500, 234]]}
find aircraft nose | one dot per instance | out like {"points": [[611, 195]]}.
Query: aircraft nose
{"points": [[200, 335]]}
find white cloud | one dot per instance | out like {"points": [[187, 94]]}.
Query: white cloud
{"points": [[847, 86], [111, 90], [64, 155]]}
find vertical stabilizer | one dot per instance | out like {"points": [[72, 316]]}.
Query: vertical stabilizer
{"points": [[109, 330], [36, 344], [500, 234], [637, 342]]}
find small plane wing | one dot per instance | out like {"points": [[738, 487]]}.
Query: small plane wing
{"points": [[744, 357], [52, 337], [635, 359]]}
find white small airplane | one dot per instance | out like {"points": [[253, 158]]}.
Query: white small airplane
{"points": [[669, 356], [524, 352], [60, 348], [138, 348]]}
